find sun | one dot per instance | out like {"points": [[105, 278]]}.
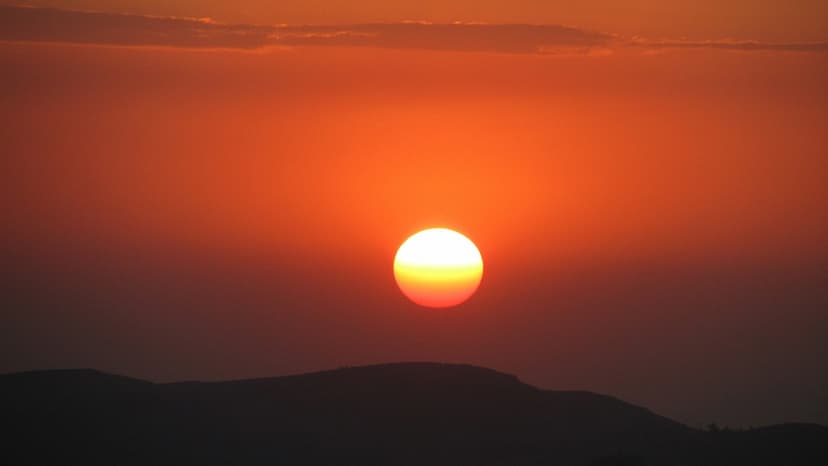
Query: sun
{"points": [[438, 268]]}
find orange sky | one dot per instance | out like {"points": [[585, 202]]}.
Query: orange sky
{"points": [[375, 144], [185, 200]]}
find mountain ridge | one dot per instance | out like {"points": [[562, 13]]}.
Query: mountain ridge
{"points": [[399, 413]]}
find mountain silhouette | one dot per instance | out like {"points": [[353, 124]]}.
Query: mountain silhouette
{"points": [[392, 414]]}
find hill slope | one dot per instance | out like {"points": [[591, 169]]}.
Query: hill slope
{"points": [[407, 413]]}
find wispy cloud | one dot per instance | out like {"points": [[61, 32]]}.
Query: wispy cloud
{"points": [[507, 38], [732, 44], [59, 25]]}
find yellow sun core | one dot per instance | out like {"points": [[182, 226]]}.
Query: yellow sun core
{"points": [[438, 267]]}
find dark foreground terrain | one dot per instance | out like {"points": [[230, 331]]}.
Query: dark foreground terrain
{"points": [[409, 413]]}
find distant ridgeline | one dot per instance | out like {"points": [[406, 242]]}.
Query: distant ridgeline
{"points": [[395, 414]]}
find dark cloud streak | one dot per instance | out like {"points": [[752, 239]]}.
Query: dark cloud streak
{"points": [[505, 38], [56, 25], [70, 26]]}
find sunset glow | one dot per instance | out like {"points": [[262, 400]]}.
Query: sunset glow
{"points": [[438, 267], [217, 190]]}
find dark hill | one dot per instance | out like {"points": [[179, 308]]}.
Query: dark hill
{"points": [[408, 413]]}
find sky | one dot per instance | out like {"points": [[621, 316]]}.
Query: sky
{"points": [[213, 190]]}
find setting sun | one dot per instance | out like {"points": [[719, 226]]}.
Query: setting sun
{"points": [[216, 190], [438, 267]]}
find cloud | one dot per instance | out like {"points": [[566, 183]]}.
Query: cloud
{"points": [[71, 26], [731, 44], [507, 38], [57, 25]]}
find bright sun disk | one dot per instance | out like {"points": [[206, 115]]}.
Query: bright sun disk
{"points": [[438, 267]]}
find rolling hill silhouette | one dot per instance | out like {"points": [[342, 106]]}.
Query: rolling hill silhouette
{"points": [[393, 414]]}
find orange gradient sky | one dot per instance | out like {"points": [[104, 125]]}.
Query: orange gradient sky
{"points": [[183, 199]]}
